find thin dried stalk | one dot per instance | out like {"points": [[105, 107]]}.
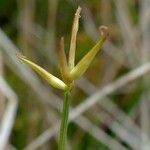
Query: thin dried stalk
{"points": [[2, 99], [26, 22], [9, 114], [50, 34]]}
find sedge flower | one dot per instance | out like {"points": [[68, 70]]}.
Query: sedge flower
{"points": [[69, 71]]}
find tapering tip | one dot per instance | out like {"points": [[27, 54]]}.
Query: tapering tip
{"points": [[104, 30], [20, 56], [78, 11], [79, 8]]}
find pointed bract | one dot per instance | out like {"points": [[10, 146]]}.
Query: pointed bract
{"points": [[64, 69], [84, 63], [52, 80], [75, 27]]}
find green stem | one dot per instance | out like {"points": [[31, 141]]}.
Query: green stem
{"points": [[64, 121]]}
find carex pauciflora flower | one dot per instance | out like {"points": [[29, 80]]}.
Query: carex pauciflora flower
{"points": [[69, 71]]}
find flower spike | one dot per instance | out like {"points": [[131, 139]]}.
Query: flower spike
{"points": [[52, 80], [84, 63], [69, 73]]}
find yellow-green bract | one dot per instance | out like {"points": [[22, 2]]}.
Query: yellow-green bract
{"points": [[69, 72], [54, 81], [84, 63]]}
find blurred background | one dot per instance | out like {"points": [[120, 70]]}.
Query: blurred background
{"points": [[110, 107]]}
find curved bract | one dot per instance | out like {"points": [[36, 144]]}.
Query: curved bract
{"points": [[84, 63], [52, 80]]}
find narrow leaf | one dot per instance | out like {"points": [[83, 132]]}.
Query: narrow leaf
{"points": [[52, 80]]}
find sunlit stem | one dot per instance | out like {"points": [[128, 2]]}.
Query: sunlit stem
{"points": [[64, 121]]}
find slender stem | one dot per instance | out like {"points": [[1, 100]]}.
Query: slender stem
{"points": [[64, 121]]}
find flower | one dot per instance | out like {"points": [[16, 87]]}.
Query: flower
{"points": [[69, 72]]}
